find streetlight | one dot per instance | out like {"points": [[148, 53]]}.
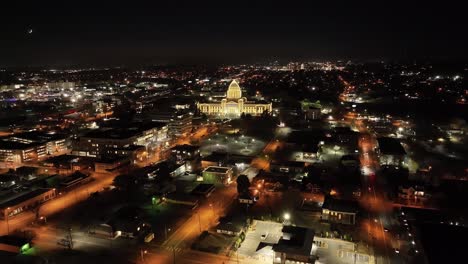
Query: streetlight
{"points": [[286, 217], [166, 230], [212, 210], [8, 223], [142, 254]]}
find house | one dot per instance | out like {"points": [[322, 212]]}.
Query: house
{"points": [[232, 226], [339, 211], [295, 246], [126, 222], [413, 192]]}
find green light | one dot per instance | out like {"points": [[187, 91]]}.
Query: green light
{"points": [[153, 200], [25, 247]]}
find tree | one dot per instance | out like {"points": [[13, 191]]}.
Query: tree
{"points": [[124, 182], [243, 184]]}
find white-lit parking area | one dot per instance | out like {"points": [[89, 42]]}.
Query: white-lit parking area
{"points": [[338, 252], [261, 231]]}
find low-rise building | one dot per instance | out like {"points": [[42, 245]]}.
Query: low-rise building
{"points": [[287, 167], [110, 164], [295, 246], [203, 189], [216, 174], [232, 226], [12, 204], [313, 113], [126, 222], [412, 192], [339, 211]]}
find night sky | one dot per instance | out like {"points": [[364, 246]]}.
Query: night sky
{"points": [[224, 31]]}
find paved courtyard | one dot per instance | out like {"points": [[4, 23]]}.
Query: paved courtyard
{"points": [[234, 144]]}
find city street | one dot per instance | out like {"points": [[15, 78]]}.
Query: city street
{"points": [[203, 218], [62, 201]]}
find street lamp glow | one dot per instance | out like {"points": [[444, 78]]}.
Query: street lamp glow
{"points": [[286, 216]]}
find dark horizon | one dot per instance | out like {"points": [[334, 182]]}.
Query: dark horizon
{"points": [[101, 34]]}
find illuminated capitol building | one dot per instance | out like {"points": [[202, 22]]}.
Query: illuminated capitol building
{"points": [[234, 104]]}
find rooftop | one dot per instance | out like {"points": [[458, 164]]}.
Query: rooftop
{"points": [[185, 147], [217, 169], [131, 130], [22, 197], [339, 205], [390, 146], [295, 240], [202, 188], [11, 145], [39, 136]]}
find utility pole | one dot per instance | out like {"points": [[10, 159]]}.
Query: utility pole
{"points": [[70, 238], [199, 221], [142, 255], [7, 220], [173, 254]]}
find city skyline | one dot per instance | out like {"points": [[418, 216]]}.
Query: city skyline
{"points": [[142, 33], [257, 132]]}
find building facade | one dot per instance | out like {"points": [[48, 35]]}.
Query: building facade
{"points": [[121, 141], [234, 104], [178, 122], [30, 147]]}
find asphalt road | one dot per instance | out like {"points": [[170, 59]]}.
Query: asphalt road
{"points": [[61, 202]]}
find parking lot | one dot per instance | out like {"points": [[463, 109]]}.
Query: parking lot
{"points": [[262, 231], [338, 252]]}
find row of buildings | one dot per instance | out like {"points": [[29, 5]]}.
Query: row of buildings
{"points": [[30, 147]]}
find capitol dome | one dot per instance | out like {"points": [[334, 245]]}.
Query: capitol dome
{"points": [[234, 91]]}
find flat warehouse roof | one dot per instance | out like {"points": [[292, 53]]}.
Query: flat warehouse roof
{"points": [[23, 197], [217, 169]]}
